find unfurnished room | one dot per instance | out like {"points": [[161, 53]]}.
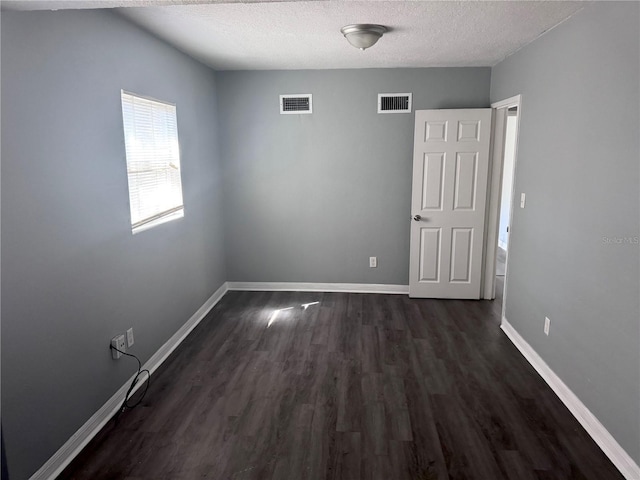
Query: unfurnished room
{"points": [[291, 240]]}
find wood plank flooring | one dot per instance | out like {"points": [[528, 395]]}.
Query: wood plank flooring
{"points": [[356, 386]]}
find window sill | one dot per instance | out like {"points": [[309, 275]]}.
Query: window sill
{"points": [[158, 221]]}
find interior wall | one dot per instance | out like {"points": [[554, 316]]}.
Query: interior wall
{"points": [[574, 253], [73, 275], [309, 198]]}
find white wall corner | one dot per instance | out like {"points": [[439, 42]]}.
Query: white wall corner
{"points": [[612, 449], [72, 447]]}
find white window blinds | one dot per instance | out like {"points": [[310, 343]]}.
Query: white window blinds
{"points": [[153, 161]]}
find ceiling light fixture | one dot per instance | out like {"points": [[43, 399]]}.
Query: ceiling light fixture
{"points": [[363, 35]]}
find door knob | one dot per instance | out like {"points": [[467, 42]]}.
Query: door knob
{"points": [[417, 218]]}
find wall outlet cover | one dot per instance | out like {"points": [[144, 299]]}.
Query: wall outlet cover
{"points": [[547, 324], [117, 342], [130, 337], [373, 262]]}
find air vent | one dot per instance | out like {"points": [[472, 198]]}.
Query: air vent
{"points": [[394, 103], [296, 104]]}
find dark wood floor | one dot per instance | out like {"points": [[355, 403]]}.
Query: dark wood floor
{"points": [[358, 386]]}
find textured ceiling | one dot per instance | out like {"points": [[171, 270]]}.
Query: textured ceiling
{"points": [[88, 4], [229, 35]]}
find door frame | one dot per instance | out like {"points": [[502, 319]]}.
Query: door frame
{"points": [[492, 218]]}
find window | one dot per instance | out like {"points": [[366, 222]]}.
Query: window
{"points": [[153, 161]]}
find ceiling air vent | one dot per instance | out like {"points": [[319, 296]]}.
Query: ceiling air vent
{"points": [[296, 104], [394, 103]]}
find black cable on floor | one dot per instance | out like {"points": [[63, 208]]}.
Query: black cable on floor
{"points": [[125, 403]]}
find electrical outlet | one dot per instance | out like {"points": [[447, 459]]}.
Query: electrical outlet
{"points": [[130, 337], [547, 324], [373, 262], [522, 200], [117, 342]]}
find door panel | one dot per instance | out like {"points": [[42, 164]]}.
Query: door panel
{"points": [[465, 182], [430, 261], [450, 173], [433, 186], [461, 242]]}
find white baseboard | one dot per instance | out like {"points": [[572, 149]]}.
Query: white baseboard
{"points": [[83, 436], [618, 456], [319, 287]]}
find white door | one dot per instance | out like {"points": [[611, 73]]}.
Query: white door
{"points": [[449, 190]]}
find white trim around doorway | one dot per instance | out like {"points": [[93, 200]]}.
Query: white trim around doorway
{"points": [[493, 196]]}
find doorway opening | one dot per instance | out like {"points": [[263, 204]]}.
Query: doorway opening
{"points": [[510, 137], [501, 199], [506, 199]]}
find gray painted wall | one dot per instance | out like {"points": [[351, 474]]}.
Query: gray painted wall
{"points": [[308, 198], [578, 164], [72, 273]]}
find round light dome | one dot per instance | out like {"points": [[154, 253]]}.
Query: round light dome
{"points": [[363, 35]]}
